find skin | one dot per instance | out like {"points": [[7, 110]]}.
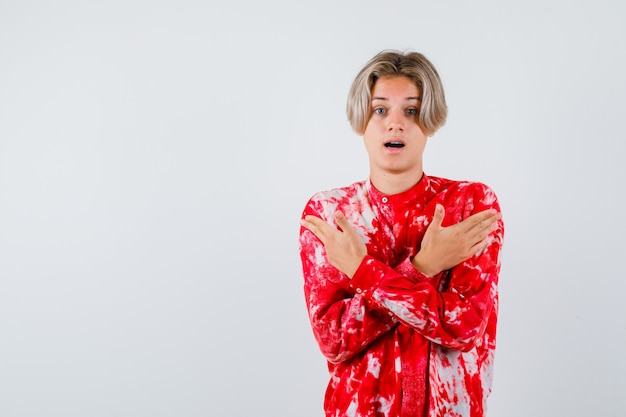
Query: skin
{"points": [[395, 105]]}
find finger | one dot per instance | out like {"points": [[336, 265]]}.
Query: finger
{"points": [[342, 222], [483, 219], [317, 226], [438, 216], [490, 223], [340, 219], [309, 225], [480, 217], [346, 226], [480, 246], [314, 220], [479, 235]]}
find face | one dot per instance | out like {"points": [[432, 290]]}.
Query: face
{"points": [[392, 137]]}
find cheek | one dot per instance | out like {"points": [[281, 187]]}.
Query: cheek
{"points": [[369, 127]]}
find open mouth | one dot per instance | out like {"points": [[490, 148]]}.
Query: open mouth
{"points": [[394, 144]]}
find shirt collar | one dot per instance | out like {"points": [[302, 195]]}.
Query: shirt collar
{"points": [[406, 197]]}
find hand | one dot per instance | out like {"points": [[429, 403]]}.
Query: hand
{"points": [[445, 247], [345, 248]]}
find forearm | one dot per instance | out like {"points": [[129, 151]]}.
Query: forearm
{"points": [[453, 302], [345, 327], [343, 322], [453, 315]]}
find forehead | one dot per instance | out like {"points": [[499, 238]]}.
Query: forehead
{"points": [[394, 87]]}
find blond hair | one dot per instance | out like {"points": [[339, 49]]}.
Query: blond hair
{"points": [[391, 63]]}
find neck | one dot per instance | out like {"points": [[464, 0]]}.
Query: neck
{"points": [[390, 183]]}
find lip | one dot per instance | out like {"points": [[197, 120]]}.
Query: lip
{"points": [[394, 145]]}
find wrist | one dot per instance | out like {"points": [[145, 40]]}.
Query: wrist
{"points": [[423, 266], [350, 273]]}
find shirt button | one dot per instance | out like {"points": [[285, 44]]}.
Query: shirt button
{"points": [[385, 199], [358, 291]]}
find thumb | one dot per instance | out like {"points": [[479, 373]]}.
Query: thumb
{"points": [[438, 216], [340, 218], [341, 221]]}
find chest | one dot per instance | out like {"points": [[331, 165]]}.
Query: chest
{"points": [[395, 233]]}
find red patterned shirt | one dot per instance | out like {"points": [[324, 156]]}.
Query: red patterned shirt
{"points": [[400, 343]]}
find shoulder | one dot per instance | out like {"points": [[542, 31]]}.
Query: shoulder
{"points": [[461, 186], [338, 194], [472, 192], [328, 200]]}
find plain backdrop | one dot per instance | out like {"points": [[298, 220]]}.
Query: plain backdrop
{"points": [[155, 157]]}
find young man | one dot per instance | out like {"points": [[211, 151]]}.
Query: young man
{"points": [[401, 270]]}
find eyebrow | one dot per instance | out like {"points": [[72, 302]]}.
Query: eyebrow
{"points": [[384, 98]]}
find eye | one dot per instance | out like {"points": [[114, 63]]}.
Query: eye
{"points": [[379, 110], [411, 112]]}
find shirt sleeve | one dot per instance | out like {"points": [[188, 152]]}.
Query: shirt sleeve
{"points": [[343, 321], [452, 310]]}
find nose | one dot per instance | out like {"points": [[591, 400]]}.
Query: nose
{"points": [[395, 121]]}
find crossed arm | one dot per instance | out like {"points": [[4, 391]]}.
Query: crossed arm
{"points": [[344, 322], [442, 247]]}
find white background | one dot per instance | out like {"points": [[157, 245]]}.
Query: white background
{"points": [[155, 157]]}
